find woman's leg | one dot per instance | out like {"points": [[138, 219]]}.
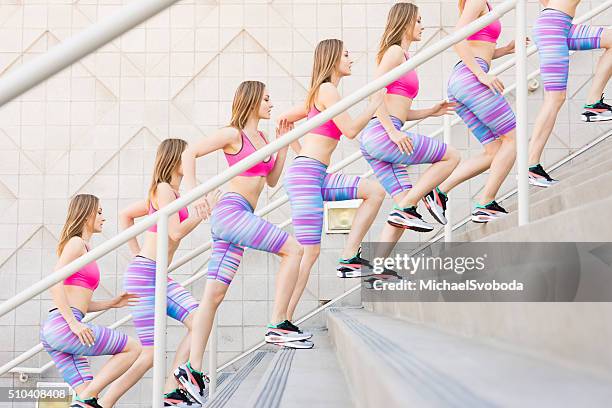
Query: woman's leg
{"points": [[373, 196], [603, 70], [113, 369], [222, 267], [432, 177], [544, 124], [291, 255], [500, 168], [129, 378], [309, 257]]}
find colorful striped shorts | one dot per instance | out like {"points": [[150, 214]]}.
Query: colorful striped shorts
{"points": [[234, 227], [555, 36], [66, 349], [486, 113], [308, 185], [388, 162], [139, 278]]}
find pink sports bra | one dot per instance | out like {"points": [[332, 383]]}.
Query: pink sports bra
{"points": [[407, 85], [328, 129], [87, 277], [261, 169], [489, 33], [183, 214]]}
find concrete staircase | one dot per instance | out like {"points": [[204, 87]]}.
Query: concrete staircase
{"points": [[279, 377], [416, 354]]}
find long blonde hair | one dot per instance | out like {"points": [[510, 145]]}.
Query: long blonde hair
{"points": [[167, 160], [402, 17], [326, 59], [80, 209], [247, 99]]}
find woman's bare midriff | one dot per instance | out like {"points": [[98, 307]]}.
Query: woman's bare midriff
{"points": [[483, 50], [398, 106], [318, 147], [78, 297], [566, 6]]}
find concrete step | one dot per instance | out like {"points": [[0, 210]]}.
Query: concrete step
{"points": [[393, 363], [585, 170], [236, 391], [550, 202], [316, 378], [281, 377]]}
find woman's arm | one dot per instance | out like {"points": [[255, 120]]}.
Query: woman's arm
{"points": [[126, 220], [208, 144], [329, 95], [272, 179], [470, 13], [119, 301], [73, 249], [293, 115]]}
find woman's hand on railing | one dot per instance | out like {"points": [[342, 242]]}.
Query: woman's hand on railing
{"points": [[510, 48], [443, 108], [403, 142], [83, 332], [491, 81], [124, 299], [283, 127]]}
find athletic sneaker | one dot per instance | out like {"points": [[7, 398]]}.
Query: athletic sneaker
{"points": [[489, 212], [193, 381], [284, 332], [597, 112], [301, 344], [539, 177], [351, 268], [88, 403], [408, 218], [435, 202], [297, 329], [179, 398]]}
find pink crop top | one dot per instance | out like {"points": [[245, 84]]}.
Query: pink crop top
{"points": [[87, 277], [407, 85], [261, 169], [328, 129], [489, 33], [183, 214]]}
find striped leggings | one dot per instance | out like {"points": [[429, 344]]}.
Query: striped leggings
{"points": [[67, 352]]}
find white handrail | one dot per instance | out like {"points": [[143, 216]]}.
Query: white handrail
{"points": [[74, 48], [277, 203]]}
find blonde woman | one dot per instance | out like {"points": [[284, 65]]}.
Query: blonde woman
{"points": [[389, 150], [484, 110], [139, 277], [234, 226], [307, 182], [63, 335]]}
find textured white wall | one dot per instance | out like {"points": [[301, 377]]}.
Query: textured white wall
{"points": [[95, 127]]}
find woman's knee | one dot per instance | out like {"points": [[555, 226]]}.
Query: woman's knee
{"points": [[133, 346], [452, 155], [214, 293], [556, 99], [312, 252], [292, 248], [371, 190]]}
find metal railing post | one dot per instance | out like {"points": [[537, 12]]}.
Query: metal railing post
{"points": [[161, 289], [448, 228], [522, 139], [212, 359]]}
